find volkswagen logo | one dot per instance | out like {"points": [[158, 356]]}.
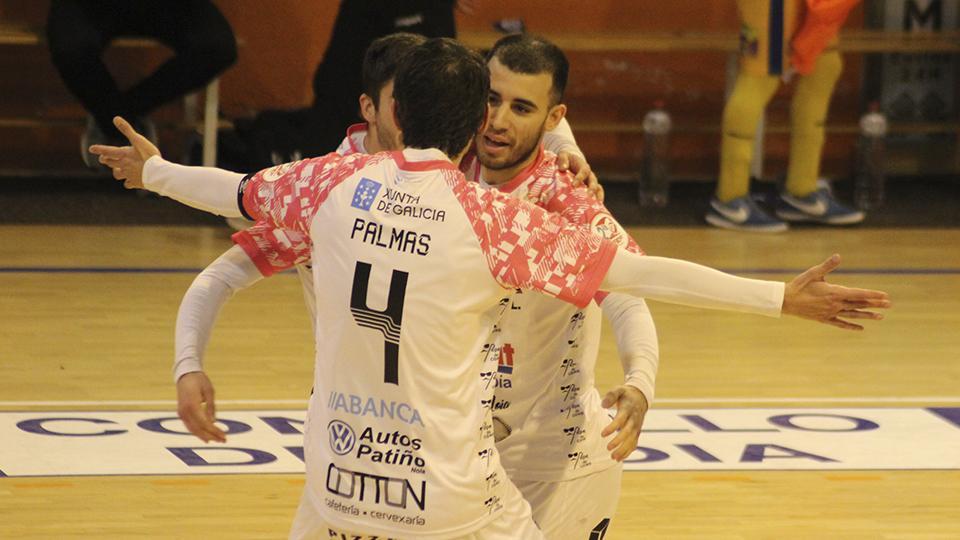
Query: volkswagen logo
{"points": [[342, 437]]}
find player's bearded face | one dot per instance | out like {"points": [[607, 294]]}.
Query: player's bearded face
{"points": [[519, 105]]}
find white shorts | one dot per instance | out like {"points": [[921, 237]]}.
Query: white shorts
{"points": [[578, 509], [514, 523]]}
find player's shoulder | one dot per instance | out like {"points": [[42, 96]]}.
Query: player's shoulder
{"points": [[556, 186], [548, 169]]}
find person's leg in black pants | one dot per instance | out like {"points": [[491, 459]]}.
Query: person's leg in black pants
{"points": [[78, 31], [201, 39], [337, 81]]}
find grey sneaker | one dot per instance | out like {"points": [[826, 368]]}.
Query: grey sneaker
{"points": [[742, 214], [818, 207]]}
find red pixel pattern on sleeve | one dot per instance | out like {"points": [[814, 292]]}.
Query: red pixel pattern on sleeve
{"points": [[554, 190], [528, 247], [273, 250], [289, 195]]}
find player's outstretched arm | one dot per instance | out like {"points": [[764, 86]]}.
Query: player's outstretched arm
{"points": [[808, 296], [196, 406]]}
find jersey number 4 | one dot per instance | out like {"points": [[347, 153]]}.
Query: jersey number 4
{"points": [[387, 321]]}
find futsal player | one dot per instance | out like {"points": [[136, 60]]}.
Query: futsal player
{"points": [[556, 441]]}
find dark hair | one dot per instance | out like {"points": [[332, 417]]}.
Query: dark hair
{"points": [[441, 92], [533, 55], [382, 58]]}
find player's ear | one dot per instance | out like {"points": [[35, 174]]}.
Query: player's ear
{"points": [[396, 117], [554, 116], [368, 109]]}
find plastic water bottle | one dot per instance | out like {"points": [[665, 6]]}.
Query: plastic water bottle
{"points": [[510, 26], [654, 188], [868, 186]]}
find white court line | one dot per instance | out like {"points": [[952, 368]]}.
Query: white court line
{"points": [[663, 401]]}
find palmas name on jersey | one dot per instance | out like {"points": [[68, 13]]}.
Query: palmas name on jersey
{"points": [[387, 237]]}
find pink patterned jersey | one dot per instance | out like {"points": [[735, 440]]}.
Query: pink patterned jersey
{"points": [[547, 349], [414, 267], [271, 249], [274, 250]]}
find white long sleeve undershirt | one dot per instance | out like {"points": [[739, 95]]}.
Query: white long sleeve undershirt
{"points": [[205, 188], [636, 337], [201, 304], [690, 284]]}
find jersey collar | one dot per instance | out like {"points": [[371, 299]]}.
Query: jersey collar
{"points": [[357, 129], [422, 159]]}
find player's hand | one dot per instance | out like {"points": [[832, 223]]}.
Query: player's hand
{"points": [[582, 173], [126, 162], [809, 296], [195, 406], [631, 409]]}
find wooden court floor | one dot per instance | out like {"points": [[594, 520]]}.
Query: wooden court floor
{"points": [[79, 334]]}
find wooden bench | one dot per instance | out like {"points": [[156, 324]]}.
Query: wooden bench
{"points": [[21, 36]]}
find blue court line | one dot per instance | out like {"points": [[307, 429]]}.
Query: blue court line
{"points": [[175, 270]]}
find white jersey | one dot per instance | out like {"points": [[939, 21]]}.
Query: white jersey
{"points": [[417, 267], [274, 250], [545, 389]]}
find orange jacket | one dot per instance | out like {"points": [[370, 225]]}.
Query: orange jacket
{"points": [[821, 23]]}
